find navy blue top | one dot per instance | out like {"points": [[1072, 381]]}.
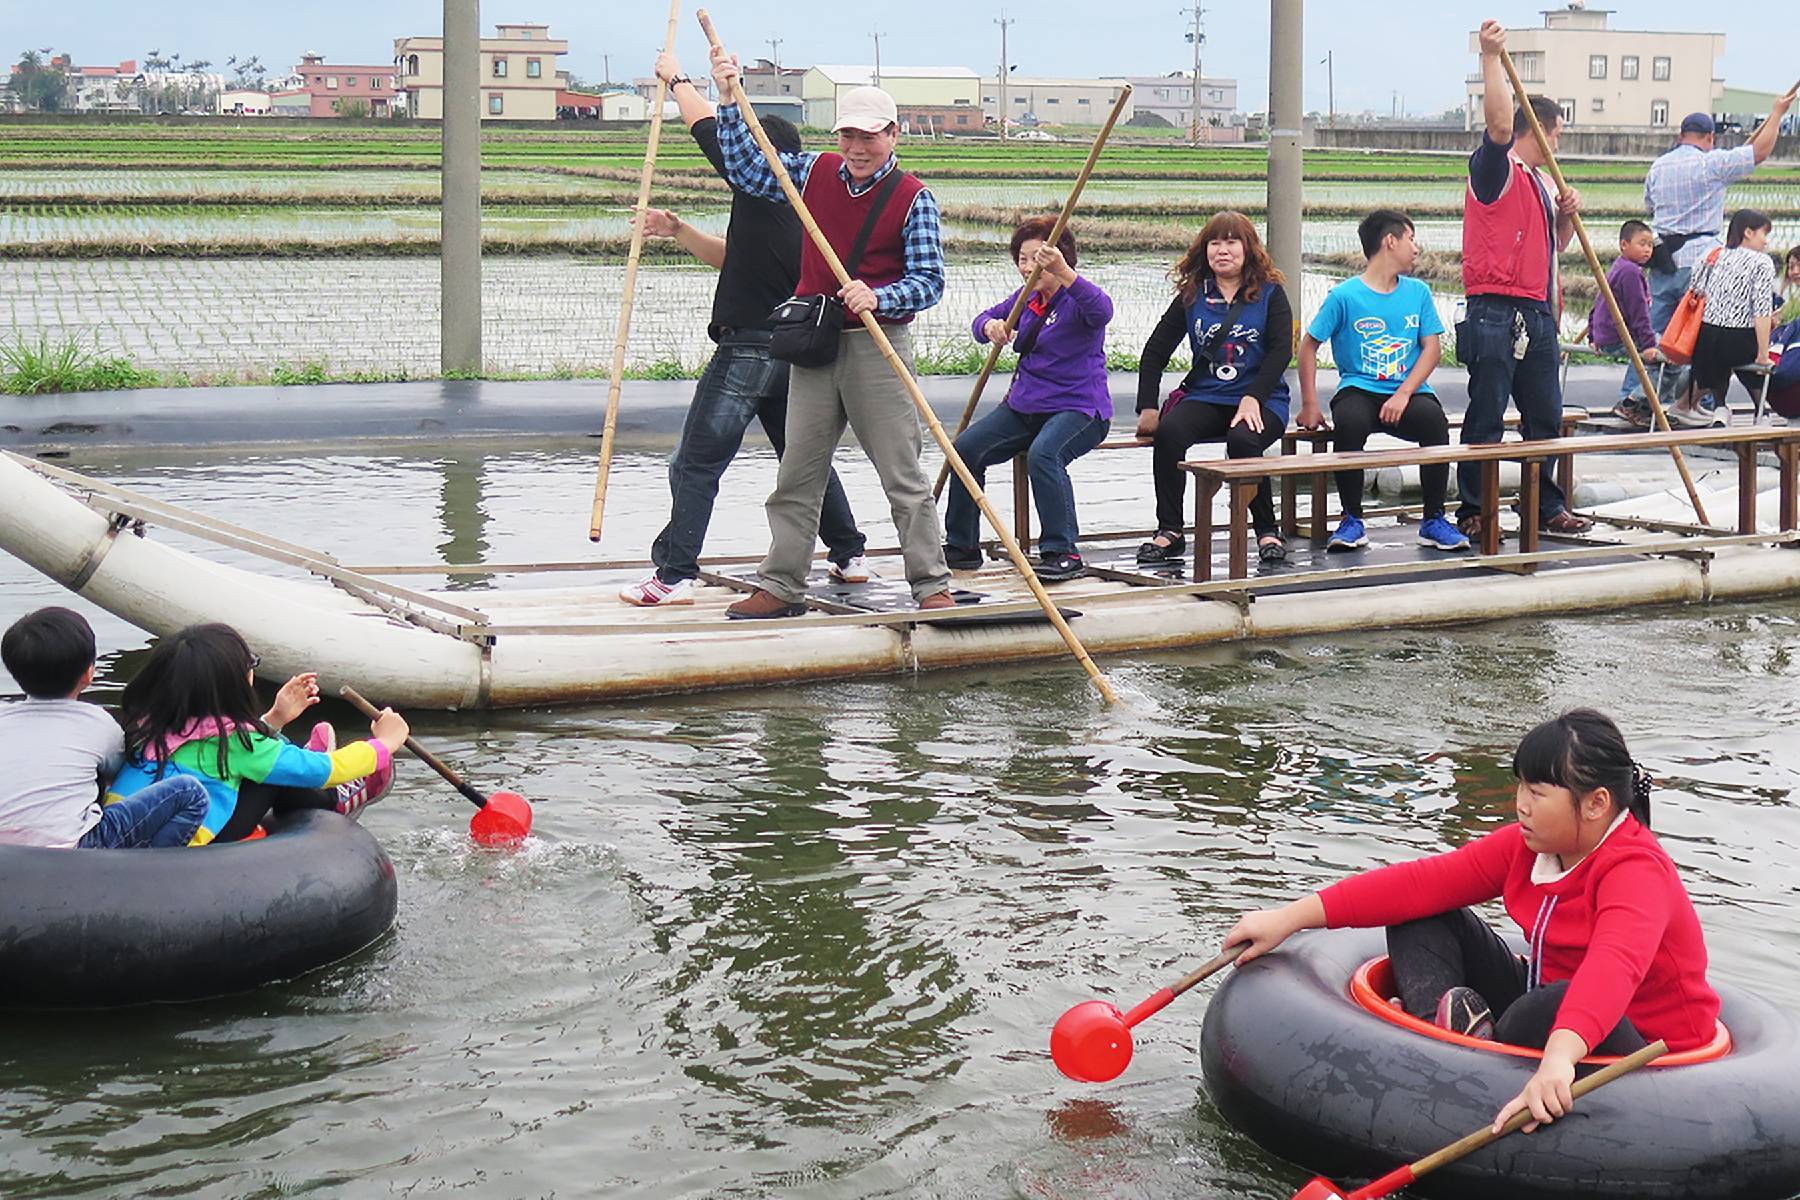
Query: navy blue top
{"points": [[1251, 360]]}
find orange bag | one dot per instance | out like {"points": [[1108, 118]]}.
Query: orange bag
{"points": [[1677, 342]]}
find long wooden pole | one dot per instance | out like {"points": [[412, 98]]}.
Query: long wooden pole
{"points": [[912, 385], [1612, 301], [598, 516], [1018, 305]]}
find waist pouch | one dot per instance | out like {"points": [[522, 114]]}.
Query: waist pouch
{"points": [[806, 328]]}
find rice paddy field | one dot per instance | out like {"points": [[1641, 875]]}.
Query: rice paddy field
{"points": [[224, 252]]}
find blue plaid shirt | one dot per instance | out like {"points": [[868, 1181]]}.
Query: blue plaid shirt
{"points": [[1685, 193], [922, 236]]}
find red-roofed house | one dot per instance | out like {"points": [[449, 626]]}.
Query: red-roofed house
{"points": [[332, 86]]}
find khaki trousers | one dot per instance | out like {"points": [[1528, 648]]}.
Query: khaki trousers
{"points": [[860, 390]]}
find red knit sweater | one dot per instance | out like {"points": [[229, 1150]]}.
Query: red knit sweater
{"points": [[1619, 926]]}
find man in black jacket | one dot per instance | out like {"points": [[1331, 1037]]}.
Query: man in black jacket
{"points": [[758, 261]]}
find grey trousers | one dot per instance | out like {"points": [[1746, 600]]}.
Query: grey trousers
{"points": [[861, 390]]}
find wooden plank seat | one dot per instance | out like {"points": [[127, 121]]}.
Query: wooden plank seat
{"points": [[1242, 476], [1318, 439]]}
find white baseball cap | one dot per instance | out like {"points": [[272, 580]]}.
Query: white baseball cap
{"points": [[866, 108]]}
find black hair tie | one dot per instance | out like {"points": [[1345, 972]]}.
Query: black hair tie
{"points": [[1641, 784]]}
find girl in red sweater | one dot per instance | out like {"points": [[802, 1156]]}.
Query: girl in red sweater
{"points": [[1616, 953]]}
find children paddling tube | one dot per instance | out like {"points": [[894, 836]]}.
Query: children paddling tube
{"points": [[1310, 1072], [93, 928]]}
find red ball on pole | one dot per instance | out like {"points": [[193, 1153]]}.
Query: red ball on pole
{"points": [[1091, 1043]]}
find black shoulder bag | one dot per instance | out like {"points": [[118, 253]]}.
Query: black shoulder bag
{"points": [[806, 328]]}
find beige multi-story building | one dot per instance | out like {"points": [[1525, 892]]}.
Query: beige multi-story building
{"points": [[1039, 100], [519, 79], [1610, 78], [1171, 97], [911, 87]]}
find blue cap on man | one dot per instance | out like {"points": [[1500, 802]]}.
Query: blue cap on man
{"points": [[1699, 122]]}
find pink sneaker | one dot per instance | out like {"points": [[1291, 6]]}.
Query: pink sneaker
{"points": [[323, 739]]}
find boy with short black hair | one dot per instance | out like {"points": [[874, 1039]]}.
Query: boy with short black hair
{"points": [[1386, 337], [1631, 287], [57, 752]]}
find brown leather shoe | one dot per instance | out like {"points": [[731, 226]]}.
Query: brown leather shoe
{"points": [[936, 600], [1470, 527], [763, 605], [1566, 522]]}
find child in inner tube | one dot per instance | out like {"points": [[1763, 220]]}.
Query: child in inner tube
{"points": [[1616, 957], [192, 711]]}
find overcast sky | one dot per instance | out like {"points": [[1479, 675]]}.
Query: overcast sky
{"points": [[1418, 50]]}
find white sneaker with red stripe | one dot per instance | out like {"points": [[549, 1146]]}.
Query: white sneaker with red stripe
{"points": [[652, 592]]}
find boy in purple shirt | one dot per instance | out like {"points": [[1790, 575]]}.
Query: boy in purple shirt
{"points": [[1057, 409], [1632, 288]]}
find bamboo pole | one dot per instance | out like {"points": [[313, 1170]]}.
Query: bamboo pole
{"points": [[598, 516], [912, 386], [1612, 302], [1018, 306]]}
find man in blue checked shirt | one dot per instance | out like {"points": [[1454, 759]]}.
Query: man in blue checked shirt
{"points": [[901, 273]]}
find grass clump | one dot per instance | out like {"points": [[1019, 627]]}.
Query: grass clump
{"points": [[37, 368]]}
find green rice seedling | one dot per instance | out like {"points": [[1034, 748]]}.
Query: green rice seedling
{"points": [[40, 367]]}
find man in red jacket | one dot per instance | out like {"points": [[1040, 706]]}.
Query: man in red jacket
{"points": [[1512, 231]]}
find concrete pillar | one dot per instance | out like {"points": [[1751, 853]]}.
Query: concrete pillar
{"points": [[460, 282], [1285, 112]]}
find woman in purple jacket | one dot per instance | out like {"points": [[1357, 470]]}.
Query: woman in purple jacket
{"points": [[1057, 409]]}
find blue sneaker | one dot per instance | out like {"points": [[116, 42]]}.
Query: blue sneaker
{"points": [[1349, 535], [1440, 534]]}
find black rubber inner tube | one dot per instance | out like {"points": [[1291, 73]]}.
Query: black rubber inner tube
{"points": [[1294, 1063], [97, 928]]}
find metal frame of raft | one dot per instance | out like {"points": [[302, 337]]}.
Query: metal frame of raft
{"points": [[522, 647]]}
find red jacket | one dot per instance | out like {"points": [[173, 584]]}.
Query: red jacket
{"points": [[1506, 244], [1619, 926]]}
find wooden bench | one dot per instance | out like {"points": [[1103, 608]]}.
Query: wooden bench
{"points": [[1242, 476], [1320, 442]]}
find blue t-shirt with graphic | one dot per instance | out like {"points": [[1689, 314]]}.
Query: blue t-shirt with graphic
{"points": [[1375, 338]]}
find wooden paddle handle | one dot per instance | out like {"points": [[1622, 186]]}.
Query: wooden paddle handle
{"points": [[1222, 960], [1600, 1078], [419, 752]]}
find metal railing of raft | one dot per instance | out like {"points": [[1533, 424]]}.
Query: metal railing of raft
{"points": [[134, 510]]}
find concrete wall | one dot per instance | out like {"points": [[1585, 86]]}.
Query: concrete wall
{"points": [[1576, 143]]}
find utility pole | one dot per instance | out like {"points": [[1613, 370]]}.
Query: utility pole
{"points": [[1196, 35], [459, 317], [775, 52], [1005, 69], [606, 66], [1286, 59], [877, 36], [1330, 91]]}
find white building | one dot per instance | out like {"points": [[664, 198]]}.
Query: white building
{"points": [[1043, 100], [911, 87], [245, 102], [517, 74], [1171, 97], [1610, 78]]}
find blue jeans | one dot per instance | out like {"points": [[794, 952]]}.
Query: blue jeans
{"points": [[741, 383], [164, 814], [1051, 441], [1533, 383], [1630, 388], [1666, 292]]}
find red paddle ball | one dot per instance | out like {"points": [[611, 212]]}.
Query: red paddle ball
{"points": [[505, 820]]}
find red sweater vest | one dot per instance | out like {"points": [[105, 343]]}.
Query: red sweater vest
{"points": [[840, 217], [1506, 244], [1619, 927]]}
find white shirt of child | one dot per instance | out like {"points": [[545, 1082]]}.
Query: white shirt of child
{"points": [[54, 757]]}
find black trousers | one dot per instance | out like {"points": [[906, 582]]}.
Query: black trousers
{"points": [[1190, 421], [1719, 351], [258, 800], [1458, 949], [1355, 414]]}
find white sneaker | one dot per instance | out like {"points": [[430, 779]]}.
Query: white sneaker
{"points": [[854, 571], [652, 592]]}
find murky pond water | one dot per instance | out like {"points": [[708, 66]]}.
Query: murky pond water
{"points": [[808, 942]]}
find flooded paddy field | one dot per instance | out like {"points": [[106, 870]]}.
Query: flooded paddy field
{"points": [[808, 942]]}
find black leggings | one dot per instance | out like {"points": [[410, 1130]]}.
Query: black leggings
{"points": [[1183, 424], [1457, 949], [1355, 414], [257, 800]]}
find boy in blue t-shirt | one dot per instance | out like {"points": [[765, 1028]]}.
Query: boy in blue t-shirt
{"points": [[1386, 336]]}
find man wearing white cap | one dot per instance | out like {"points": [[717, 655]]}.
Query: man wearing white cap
{"points": [[859, 190]]}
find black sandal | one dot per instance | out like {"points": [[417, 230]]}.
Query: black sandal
{"points": [[1272, 551], [1155, 552]]}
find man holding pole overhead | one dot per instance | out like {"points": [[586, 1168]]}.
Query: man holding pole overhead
{"points": [[1513, 229], [900, 272], [758, 261]]}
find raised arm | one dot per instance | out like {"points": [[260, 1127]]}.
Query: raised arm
{"points": [[745, 167], [694, 107], [1766, 133], [1496, 88]]}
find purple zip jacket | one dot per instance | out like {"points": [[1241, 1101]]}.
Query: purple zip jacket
{"points": [[1065, 371], [1632, 287]]}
